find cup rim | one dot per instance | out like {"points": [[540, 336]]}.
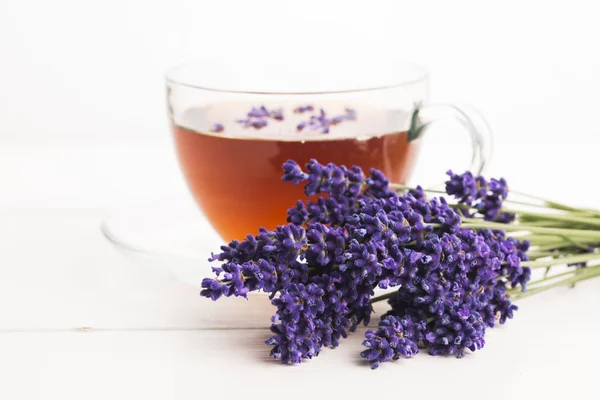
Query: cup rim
{"points": [[180, 75]]}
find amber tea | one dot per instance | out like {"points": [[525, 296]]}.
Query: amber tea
{"points": [[232, 163]]}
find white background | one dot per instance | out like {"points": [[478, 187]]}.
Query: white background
{"points": [[90, 74], [83, 133]]}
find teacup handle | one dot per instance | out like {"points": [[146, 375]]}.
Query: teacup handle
{"points": [[481, 136]]}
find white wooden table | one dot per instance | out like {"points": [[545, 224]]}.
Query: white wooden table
{"points": [[78, 320]]}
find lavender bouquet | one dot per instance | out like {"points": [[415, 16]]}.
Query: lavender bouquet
{"points": [[452, 267]]}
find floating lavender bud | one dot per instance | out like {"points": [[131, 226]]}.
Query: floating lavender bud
{"points": [[350, 113], [276, 115], [323, 124], [315, 124], [217, 128], [259, 123], [336, 120], [258, 112], [320, 122], [303, 109], [257, 117], [244, 122], [301, 126]]}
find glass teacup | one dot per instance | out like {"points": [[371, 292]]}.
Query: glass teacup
{"points": [[232, 138]]}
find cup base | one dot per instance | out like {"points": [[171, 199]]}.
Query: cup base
{"points": [[177, 240]]}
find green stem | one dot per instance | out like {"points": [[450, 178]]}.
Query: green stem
{"points": [[543, 241], [548, 253], [550, 246], [547, 219], [384, 296], [536, 283], [529, 228], [546, 203], [399, 186], [558, 217], [559, 261], [580, 275], [563, 244], [545, 223], [556, 205]]}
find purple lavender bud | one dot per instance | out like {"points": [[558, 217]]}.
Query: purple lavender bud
{"points": [[462, 187], [336, 120], [395, 338], [486, 197], [217, 128], [378, 183], [350, 113], [314, 123], [298, 215], [453, 334], [276, 115], [258, 112], [244, 122], [293, 173], [499, 187], [303, 109], [259, 123], [211, 288], [301, 126]]}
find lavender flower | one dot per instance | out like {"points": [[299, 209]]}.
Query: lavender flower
{"points": [[486, 197], [395, 338], [308, 317], [239, 279], [328, 211], [322, 268], [340, 182], [293, 173], [299, 215], [326, 246], [281, 245], [465, 188], [455, 332], [325, 179], [378, 184]]}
